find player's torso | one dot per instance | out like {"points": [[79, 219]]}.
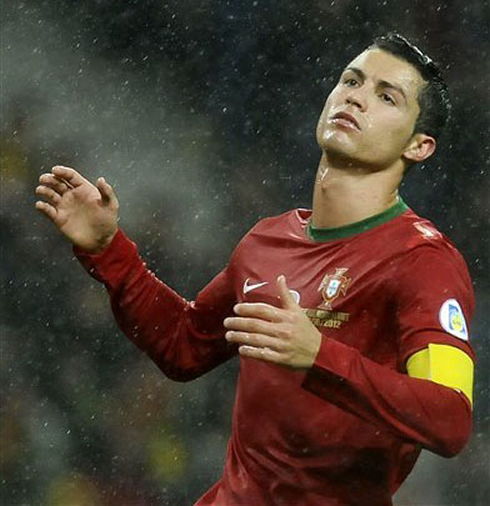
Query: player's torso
{"points": [[344, 287]]}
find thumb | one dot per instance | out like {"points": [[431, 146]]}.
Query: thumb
{"points": [[105, 190], [287, 299]]}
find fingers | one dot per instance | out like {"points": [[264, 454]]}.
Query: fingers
{"points": [[68, 174], [105, 190], [261, 353], [287, 300], [251, 325], [54, 183], [46, 209], [260, 310], [255, 340], [48, 194]]}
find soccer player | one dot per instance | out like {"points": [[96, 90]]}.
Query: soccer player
{"points": [[351, 319]]}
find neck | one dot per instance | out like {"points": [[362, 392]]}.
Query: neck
{"points": [[348, 194]]}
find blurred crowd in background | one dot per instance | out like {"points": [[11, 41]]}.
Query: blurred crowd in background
{"points": [[202, 115]]}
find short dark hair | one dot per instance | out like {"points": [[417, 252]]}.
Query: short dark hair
{"points": [[434, 103]]}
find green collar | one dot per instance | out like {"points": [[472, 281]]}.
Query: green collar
{"points": [[328, 234]]}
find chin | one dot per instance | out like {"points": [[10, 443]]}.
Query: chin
{"points": [[343, 155], [337, 145]]}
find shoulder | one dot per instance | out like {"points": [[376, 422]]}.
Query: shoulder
{"points": [[290, 219], [273, 230], [422, 243], [429, 268], [281, 225]]}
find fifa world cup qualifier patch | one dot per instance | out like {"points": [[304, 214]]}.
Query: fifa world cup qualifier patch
{"points": [[452, 319]]}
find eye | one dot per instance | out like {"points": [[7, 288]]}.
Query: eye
{"points": [[350, 81], [387, 98]]}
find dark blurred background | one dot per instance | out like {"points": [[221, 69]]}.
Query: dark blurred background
{"points": [[202, 115]]}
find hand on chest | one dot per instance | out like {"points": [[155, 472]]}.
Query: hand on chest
{"points": [[342, 299], [322, 295]]}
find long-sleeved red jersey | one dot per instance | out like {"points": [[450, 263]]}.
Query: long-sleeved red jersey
{"points": [[349, 430]]}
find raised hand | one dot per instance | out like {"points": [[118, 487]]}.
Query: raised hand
{"points": [[86, 214], [281, 335]]}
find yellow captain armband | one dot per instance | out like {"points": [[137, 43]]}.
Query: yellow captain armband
{"points": [[443, 364]]}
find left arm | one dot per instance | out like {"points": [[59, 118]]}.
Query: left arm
{"points": [[431, 414]]}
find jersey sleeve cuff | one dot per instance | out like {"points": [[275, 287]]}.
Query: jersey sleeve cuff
{"points": [[333, 362], [110, 264]]}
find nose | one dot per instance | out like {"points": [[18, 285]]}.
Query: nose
{"points": [[357, 98]]}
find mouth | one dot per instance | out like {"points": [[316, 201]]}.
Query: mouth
{"points": [[346, 120]]}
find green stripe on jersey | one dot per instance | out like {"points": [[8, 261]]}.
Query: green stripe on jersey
{"points": [[327, 234]]}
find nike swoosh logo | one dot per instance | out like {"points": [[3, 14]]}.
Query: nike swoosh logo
{"points": [[248, 288]]}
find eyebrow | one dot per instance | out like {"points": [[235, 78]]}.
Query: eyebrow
{"points": [[383, 83]]}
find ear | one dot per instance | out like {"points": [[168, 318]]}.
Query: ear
{"points": [[420, 147]]}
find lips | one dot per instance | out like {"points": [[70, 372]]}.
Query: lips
{"points": [[346, 119]]}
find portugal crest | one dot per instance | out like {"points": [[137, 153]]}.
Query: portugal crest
{"points": [[332, 286]]}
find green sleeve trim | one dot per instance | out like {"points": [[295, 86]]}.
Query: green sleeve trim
{"points": [[328, 234]]}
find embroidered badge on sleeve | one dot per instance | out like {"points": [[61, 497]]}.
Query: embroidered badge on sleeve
{"points": [[452, 319]]}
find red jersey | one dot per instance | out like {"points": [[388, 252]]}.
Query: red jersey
{"points": [[349, 429]]}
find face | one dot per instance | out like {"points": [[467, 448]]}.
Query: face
{"points": [[370, 115]]}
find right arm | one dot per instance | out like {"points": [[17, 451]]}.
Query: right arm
{"points": [[185, 339]]}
